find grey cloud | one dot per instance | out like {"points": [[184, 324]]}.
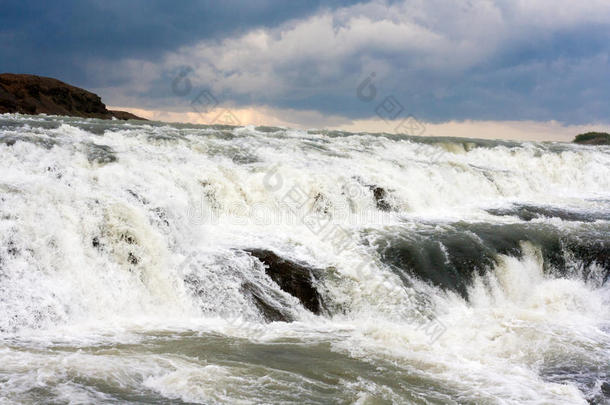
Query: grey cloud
{"points": [[443, 60]]}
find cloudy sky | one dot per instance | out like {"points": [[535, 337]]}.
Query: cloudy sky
{"points": [[488, 68]]}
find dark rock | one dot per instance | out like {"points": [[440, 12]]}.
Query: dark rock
{"points": [[137, 197], [133, 259], [30, 94], [593, 138], [606, 389], [128, 238], [294, 278], [12, 248], [381, 198], [8, 141]]}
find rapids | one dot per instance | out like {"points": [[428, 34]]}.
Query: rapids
{"points": [[447, 270]]}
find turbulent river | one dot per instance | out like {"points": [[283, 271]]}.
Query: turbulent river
{"points": [[158, 263]]}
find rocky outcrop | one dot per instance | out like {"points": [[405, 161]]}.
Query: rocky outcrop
{"points": [[29, 94], [294, 278], [593, 138]]}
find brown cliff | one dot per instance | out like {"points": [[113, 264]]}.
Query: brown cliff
{"points": [[29, 94]]}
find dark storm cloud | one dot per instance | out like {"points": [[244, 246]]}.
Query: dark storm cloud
{"points": [[58, 38], [441, 59]]}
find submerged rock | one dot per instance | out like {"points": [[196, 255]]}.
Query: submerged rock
{"points": [[605, 388], [269, 312], [452, 255], [529, 212], [296, 279], [381, 198], [101, 154]]}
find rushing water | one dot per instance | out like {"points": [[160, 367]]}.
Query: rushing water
{"points": [[448, 270]]}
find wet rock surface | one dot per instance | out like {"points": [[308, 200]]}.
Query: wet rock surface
{"points": [[268, 311], [294, 278]]}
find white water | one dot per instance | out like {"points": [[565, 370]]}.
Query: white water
{"points": [[94, 306]]}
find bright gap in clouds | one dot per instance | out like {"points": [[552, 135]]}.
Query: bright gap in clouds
{"points": [[489, 69], [518, 130]]}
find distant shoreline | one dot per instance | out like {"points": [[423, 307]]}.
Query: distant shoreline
{"points": [[33, 95]]}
